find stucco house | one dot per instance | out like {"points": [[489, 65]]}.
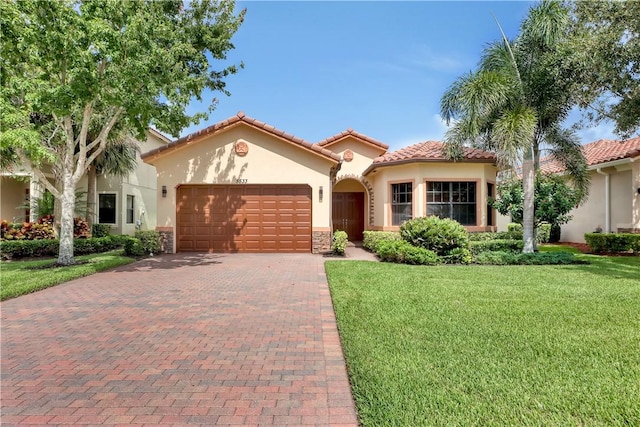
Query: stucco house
{"points": [[242, 185], [613, 204], [126, 204]]}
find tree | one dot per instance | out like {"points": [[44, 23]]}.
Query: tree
{"points": [[554, 200], [514, 104], [73, 66], [603, 54]]}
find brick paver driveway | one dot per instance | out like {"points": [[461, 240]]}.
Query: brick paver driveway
{"points": [[181, 339]]}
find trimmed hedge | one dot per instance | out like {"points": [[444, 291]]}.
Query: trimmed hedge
{"points": [[499, 235], [613, 242], [539, 258], [543, 232], [100, 230], [513, 246], [142, 244], [49, 247], [441, 235], [371, 239], [403, 252], [339, 244]]}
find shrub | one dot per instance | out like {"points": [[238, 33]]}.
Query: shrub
{"points": [[555, 233], [49, 247], [134, 247], [80, 228], [400, 251], [513, 246], [441, 235], [540, 258], [150, 241], [499, 235], [514, 227], [371, 239], [100, 230], [457, 256], [543, 232], [339, 244], [613, 242]]}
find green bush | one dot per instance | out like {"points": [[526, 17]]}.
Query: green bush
{"points": [[441, 235], [499, 235], [339, 244], [134, 247], [540, 258], [150, 241], [613, 242], [100, 230], [513, 246], [49, 247], [543, 232], [403, 252], [457, 256], [555, 233], [514, 227], [371, 239]]}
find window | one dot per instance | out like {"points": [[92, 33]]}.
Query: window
{"points": [[130, 209], [107, 208], [489, 209], [455, 200], [401, 205]]}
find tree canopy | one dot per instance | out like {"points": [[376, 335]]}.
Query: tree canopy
{"points": [[603, 55], [73, 71]]}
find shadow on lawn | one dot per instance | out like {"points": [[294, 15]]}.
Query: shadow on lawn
{"points": [[612, 267], [170, 261]]}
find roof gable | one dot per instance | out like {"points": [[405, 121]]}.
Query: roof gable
{"points": [[241, 119], [598, 152], [326, 143]]}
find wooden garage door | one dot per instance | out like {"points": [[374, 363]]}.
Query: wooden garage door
{"points": [[243, 218]]}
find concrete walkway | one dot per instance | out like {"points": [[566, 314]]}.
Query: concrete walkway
{"points": [[179, 340]]}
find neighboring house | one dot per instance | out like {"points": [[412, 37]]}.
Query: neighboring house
{"points": [[126, 204], [243, 185], [613, 204]]}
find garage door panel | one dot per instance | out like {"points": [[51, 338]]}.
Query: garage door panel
{"points": [[244, 218]]}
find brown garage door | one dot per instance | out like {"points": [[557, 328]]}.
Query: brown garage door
{"points": [[243, 218]]}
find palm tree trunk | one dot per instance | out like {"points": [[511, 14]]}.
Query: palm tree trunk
{"points": [[528, 187]]}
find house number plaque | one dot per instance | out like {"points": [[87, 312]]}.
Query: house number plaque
{"points": [[241, 148]]}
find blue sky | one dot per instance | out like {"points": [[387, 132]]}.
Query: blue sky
{"points": [[314, 69]]}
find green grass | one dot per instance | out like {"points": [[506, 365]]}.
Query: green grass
{"points": [[23, 277], [489, 345]]}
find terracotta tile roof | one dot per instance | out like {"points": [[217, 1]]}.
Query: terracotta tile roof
{"points": [[598, 152], [429, 151], [350, 132], [233, 121]]}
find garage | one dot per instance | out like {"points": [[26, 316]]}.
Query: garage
{"points": [[243, 218]]}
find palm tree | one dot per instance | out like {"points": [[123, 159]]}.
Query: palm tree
{"points": [[514, 105]]}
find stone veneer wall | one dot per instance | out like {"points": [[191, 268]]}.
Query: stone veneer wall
{"points": [[166, 234], [320, 241]]}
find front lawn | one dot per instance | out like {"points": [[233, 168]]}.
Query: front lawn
{"points": [[489, 345], [22, 277]]}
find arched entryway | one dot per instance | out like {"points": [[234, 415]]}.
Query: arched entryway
{"points": [[348, 208]]}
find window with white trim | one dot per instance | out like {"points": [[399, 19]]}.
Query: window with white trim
{"points": [[401, 202], [107, 208], [130, 204], [455, 200]]}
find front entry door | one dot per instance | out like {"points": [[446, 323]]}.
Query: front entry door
{"points": [[348, 214]]}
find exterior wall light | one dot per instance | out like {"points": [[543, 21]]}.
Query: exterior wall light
{"points": [[164, 191], [320, 193]]}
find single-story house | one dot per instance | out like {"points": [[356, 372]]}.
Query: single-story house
{"points": [[613, 204], [126, 203], [242, 185]]}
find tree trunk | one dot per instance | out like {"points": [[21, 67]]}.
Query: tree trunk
{"points": [[92, 178], [65, 254], [528, 186]]}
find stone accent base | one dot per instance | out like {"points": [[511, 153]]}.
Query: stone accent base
{"points": [[320, 241], [166, 236]]}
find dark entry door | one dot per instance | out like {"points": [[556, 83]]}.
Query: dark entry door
{"points": [[348, 214]]}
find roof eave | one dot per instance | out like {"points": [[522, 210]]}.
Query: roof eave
{"points": [[375, 166]]}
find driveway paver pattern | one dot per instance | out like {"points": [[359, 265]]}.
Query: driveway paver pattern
{"points": [[200, 339]]}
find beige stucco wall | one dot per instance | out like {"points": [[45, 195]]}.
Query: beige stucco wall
{"points": [[418, 174], [623, 198], [12, 195], [141, 184], [363, 155], [270, 160]]}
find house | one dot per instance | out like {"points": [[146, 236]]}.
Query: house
{"points": [[126, 204], [613, 204], [242, 185]]}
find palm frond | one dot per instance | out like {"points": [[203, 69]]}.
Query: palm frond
{"points": [[564, 146], [514, 132]]}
